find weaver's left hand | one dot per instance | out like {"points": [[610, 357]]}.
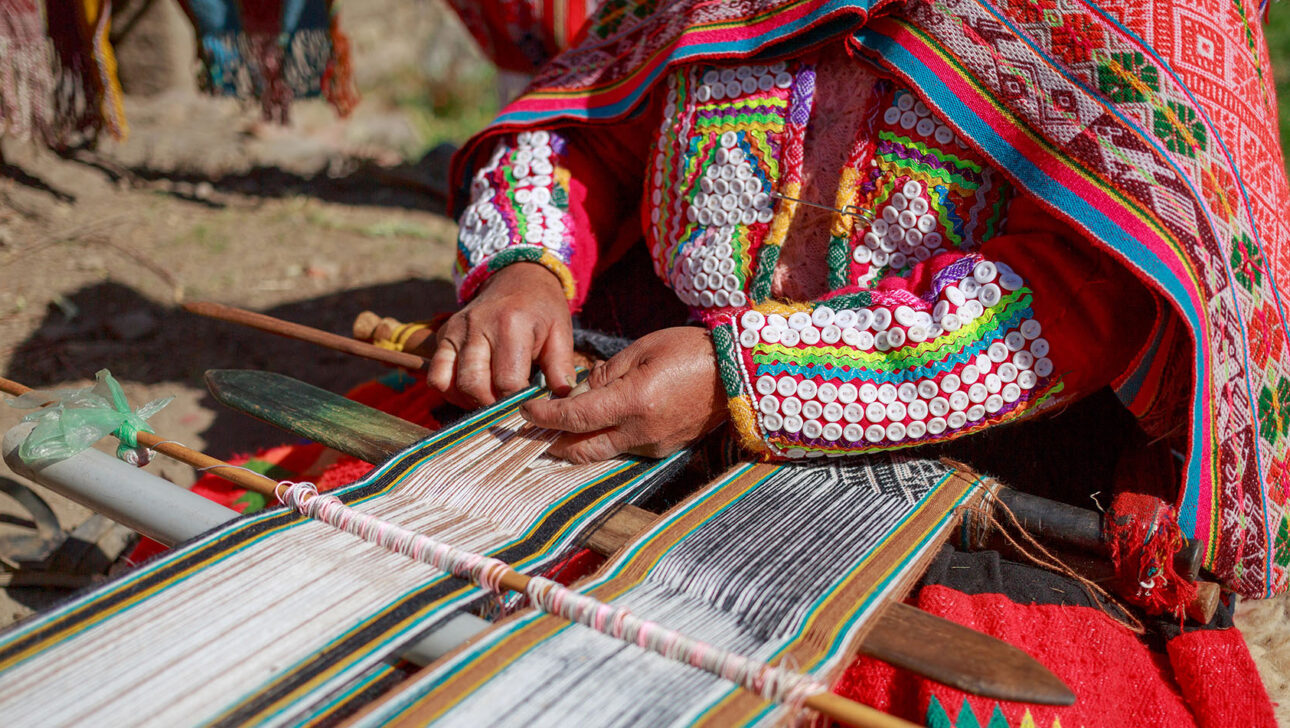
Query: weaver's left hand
{"points": [[655, 397]]}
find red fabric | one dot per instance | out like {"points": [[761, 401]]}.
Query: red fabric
{"points": [[577, 565], [1097, 314], [1144, 536], [1117, 680], [1219, 678]]}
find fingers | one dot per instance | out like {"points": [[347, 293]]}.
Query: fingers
{"points": [[512, 356], [556, 358], [593, 410], [461, 365], [474, 370], [443, 364], [587, 448]]}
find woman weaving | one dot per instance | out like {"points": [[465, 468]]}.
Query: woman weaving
{"points": [[892, 237]]}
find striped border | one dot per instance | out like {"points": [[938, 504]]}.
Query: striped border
{"points": [[365, 644], [824, 641], [1140, 240]]}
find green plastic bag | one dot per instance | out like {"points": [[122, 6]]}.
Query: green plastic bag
{"points": [[81, 417]]}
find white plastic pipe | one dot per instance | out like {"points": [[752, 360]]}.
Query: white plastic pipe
{"points": [[170, 515]]}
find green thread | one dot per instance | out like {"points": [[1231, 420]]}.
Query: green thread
{"points": [[723, 340], [767, 257], [859, 299], [838, 257], [523, 254]]}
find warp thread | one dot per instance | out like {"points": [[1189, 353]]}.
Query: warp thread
{"points": [[772, 683]]}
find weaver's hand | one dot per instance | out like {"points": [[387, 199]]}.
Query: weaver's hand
{"points": [[658, 395], [487, 349]]}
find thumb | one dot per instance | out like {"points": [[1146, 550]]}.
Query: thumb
{"points": [[556, 358]]}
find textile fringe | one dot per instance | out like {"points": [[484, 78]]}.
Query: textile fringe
{"points": [[27, 85], [278, 70], [772, 683], [1144, 536]]}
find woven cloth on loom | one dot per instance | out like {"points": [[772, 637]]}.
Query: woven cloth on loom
{"points": [[779, 563], [251, 622]]}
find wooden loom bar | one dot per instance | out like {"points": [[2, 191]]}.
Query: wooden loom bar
{"points": [[963, 658], [305, 333], [826, 703]]}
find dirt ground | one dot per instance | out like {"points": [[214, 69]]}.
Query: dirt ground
{"points": [[312, 223]]}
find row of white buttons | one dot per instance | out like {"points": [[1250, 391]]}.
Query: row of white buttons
{"points": [[731, 83], [710, 299], [921, 325], [483, 229], [958, 408], [914, 115]]}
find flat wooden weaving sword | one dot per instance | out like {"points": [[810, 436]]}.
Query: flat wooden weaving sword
{"points": [[1068, 525], [903, 635]]}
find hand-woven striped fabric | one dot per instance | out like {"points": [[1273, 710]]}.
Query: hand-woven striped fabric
{"points": [[1148, 126], [251, 622], [781, 563]]}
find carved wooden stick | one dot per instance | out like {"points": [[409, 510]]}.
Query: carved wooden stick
{"points": [[827, 703], [305, 333]]}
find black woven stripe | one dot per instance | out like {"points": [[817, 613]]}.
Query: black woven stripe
{"points": [[111, 596], [387, 621]]}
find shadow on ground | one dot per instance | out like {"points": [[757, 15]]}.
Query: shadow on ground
{"points": [[116, 327], [419, 185]]}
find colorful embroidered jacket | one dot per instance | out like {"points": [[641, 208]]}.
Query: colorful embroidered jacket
{"points": [[1130, 146]]}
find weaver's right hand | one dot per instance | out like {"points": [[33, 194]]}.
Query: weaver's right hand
{"points": [[486, 351]]}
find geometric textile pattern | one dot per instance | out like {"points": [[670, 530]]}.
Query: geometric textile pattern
{"points": [[780, 563], [1149, 126], [1148, 129], [286, 609], [518, 212]]}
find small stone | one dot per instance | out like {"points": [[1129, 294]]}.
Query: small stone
{"points": [[204, 190], [322, 269]]}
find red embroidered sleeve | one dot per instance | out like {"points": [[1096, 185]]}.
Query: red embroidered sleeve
{"points": [[569, 204]]}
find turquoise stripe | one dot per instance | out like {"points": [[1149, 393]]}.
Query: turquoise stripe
{"points": [[692, 54], [1007, 157]]}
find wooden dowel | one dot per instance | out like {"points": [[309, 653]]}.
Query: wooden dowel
{"points": [[371, 327], [306, 333], [834, 706], [241, 476], [1202, 609]]}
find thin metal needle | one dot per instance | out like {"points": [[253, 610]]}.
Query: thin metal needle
{"points": [[865, 215]]}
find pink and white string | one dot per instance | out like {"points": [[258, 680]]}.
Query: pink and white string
{"points": [[772, 683]]}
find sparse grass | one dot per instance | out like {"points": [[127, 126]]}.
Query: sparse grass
{"points": [[384, 229], [395, 229], [449, 108], [208, 238]]}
